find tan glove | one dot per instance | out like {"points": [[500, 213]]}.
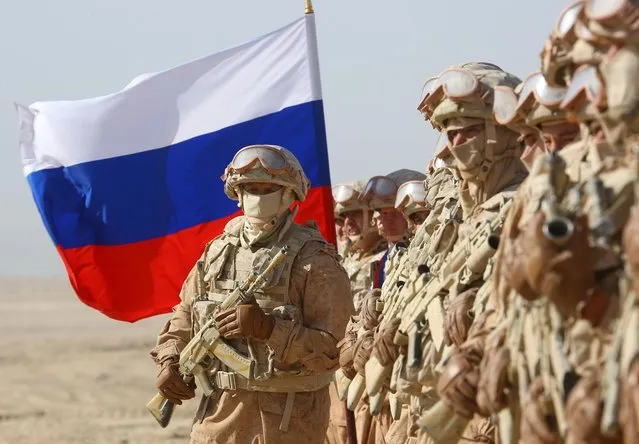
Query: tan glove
{"points": [[457, 385], [564, 274], [384, 349], [513, 270], [537, 427], [629, 414], [346, 349], [492, 394], [584, 410], [368, 315], [362, 353], [171, 385], [246, 320], [459, 317]]}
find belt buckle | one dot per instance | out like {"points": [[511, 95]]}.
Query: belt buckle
{"points": [[225, 380]]}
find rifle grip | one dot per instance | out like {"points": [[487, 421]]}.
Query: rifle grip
{"points": [[376, 374], [161, 408]]}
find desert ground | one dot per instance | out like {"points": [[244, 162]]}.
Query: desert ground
{"points": [[69, 374]]}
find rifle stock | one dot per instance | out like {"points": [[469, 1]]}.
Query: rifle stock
{"points": [[341, 384], [161, 409], [355, 391], [442, 424], [376, 374]]}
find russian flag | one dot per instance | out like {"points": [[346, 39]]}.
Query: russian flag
{"points": [[128, 184]]}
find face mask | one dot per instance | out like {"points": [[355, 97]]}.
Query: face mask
{"points": [[262, 206], [469, 157], [531, 152]]}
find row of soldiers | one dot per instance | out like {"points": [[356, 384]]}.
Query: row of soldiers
{"points": [[495, 296]]}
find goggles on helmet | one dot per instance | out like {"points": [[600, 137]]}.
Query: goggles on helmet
{"points": [[586, 86], [508, 105], [269, 157], [344, 193], [565, 27], [411, 192], [623, 11], [380, 189], [455, 83]]}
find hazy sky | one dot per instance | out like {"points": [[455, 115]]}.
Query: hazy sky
{"points": [[374, 57]]}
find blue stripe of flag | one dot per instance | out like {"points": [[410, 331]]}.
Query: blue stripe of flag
{"points": [[163, 191]]}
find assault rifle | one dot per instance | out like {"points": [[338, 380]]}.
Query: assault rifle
{"points": [[207, 346], [423, 305]]}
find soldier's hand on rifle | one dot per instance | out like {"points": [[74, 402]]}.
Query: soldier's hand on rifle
{"points": [[346, 350], [457, 385], [369, 316], [537, 426], [170, 383], [492, 395], [245, 320], [459, 317], [584, 410], [384, 348], [362, 353]]}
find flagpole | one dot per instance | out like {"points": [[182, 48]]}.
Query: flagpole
{"points": [[308, 9]]}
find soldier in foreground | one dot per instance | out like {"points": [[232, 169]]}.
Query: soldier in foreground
{"points": [[289, 331]]}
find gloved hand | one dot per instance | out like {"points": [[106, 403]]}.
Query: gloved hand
{"points": [[584, 409], [246, 320], [384, 349], [536, 426], [459, 317], [563, 273], [457, 385], [368, 315], [492, 395], [513, 270], [629, 414], [171, 385], [362, 353], [346, 349]]}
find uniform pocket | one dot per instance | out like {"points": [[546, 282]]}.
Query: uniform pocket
{"points": [[275, 403]]}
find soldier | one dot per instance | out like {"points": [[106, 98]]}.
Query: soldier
{"points": [[408, 402], [459, 102], [572, 285], [290, 332], [411, 201], [380, 194], [366, 246]]}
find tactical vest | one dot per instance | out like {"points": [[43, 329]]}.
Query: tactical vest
{"points": [[227, 263], [361, 272]]}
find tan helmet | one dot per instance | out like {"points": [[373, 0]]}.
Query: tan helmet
{"points": [[265, 164], [347, 196], [381, 191], [474, 99]]}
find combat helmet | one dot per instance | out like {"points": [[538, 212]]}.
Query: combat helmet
{"points": [[381, 191], [464, 91], [267, 164], [348, 197]]}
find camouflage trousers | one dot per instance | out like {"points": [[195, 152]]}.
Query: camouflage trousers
{"points": [[244, 417]]}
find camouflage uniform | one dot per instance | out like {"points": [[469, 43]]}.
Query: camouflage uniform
{"points": [[306, 302], [490, 171]]}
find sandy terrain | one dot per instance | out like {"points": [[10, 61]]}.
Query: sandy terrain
{"points": [[69, 374]]}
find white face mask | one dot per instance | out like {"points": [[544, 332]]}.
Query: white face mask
{"points": [[262, 206]]}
